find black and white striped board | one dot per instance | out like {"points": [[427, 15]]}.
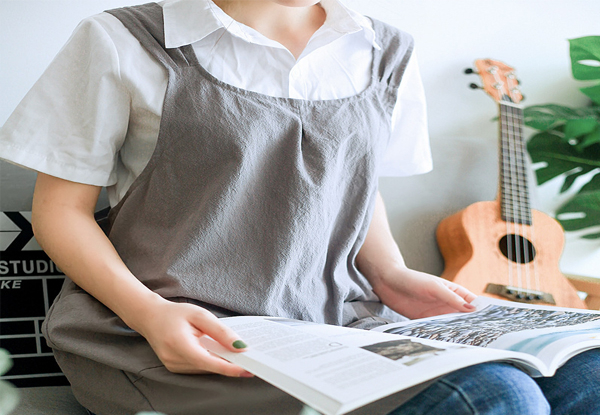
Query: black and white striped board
{"points": [[29, 282]]}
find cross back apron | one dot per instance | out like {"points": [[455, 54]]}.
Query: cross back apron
{"points": [[250, 204]]}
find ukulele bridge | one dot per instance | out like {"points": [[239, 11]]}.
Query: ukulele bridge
{"points": [[520, 295]]}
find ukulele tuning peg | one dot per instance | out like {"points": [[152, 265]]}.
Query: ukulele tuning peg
{"points": [[470, 71], [475, 86]]}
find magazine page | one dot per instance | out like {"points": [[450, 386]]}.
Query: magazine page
{"points": [[552, 334], [335, 369]]}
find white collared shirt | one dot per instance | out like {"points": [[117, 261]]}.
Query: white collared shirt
{"points": [[94, 115]]}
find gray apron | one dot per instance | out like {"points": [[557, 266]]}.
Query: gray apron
{"points": [[250, 204]]}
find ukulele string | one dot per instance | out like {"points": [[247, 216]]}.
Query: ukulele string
{"points": [[507, 132], [526, 207], [504, 185], [526, 214], [521, 191], [538, 284], [513, 200]]}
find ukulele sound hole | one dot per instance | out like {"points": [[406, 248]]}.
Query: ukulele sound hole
{"points": [[517, 249]]}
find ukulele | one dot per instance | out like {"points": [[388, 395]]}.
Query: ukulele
{"points": [[503, 248]]}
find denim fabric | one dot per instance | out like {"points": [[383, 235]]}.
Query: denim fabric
{"points": [[575, 389], [501, 389]]}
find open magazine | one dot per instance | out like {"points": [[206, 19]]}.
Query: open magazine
{"points": [[336, 370]]}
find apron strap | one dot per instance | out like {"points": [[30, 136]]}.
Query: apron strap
{"points": [[146, 23], [391, 62]]}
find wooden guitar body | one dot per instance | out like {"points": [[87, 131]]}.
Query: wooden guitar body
{"points": [[471, 244], [505, 249]]}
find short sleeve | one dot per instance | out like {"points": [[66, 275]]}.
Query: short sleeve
{"points": [[408, 151], [73, 121]]}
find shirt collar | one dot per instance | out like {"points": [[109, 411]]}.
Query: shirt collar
{"points": [[346, 21], [188, 21]]}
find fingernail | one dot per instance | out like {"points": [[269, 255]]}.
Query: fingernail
{"points": [[238, 344], [469, 306], [246, 375]]}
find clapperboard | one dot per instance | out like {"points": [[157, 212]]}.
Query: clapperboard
{"points": [[29, 282]]}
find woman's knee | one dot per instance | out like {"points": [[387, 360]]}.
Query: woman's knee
{"points": [[499, 388], [486, 389], [574, 389]]}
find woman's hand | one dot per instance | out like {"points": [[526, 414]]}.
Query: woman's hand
{"points": [[173, 330], [64, 224], [416, 294], [411, 293]]}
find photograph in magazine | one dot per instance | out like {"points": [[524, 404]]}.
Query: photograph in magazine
{"points": [[483, 327]]}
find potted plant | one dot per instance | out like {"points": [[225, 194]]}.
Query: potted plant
{"points": [[568, 142]]}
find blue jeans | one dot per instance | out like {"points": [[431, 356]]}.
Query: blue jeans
{"points": [[501, 389]]}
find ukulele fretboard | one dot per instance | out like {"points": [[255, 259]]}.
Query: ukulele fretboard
{"points": [[514, 191]]}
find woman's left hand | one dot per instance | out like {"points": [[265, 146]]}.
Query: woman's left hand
{"points": [[411, 293], [416, 294]]}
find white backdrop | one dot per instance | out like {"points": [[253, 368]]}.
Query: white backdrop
{"points": [[530, 35]]}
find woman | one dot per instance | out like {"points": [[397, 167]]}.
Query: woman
{"points": [[242, 142]]}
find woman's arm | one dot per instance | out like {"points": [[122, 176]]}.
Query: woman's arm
{"points": [[64, 225], [411, 293]]}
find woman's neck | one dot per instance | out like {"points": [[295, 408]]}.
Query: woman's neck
{"points": [[289, 22]]}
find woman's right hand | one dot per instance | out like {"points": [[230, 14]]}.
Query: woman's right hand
{"points": [[173, 330], [64, 225]]}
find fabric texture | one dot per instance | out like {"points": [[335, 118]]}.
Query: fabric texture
{"points": [[48, 400], [501, 389], [266, 196], [575, 388], [485, 389], [157, 389]]}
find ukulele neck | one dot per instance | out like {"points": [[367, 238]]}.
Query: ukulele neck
{"points": [[514, 191]]}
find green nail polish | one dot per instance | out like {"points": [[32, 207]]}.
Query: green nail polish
{"points": [[238, 344]]}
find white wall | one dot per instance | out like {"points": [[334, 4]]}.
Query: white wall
{"points": [[530, 35]]}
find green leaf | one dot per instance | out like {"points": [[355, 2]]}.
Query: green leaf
{"points": [[576, 127], [591, 236], [585, 204], [585, 63], [593, 185], [593, 92], [585, 49], [540, 117], [561, 157], [551, 116], [569, 180], [589, 139]]}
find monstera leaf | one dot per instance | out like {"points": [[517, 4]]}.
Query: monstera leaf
{"points": [[569, 141], [551, 116], [578, 127], [585, 63], [585, 209], [562, 158]]}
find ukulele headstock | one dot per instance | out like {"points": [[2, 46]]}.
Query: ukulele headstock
{"points": [[499, 80]]}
